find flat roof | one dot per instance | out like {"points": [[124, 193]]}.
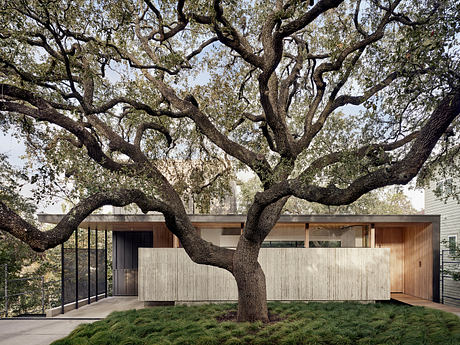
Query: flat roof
{"points": [[145, 221]]}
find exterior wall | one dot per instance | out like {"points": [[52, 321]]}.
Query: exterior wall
{"points": [[125, 259], [162, 237], [392, 238], [449, 211], [291, 274], [418, 259]]}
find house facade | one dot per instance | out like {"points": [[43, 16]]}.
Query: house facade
{"points": [[449, 211], [309, 257]]}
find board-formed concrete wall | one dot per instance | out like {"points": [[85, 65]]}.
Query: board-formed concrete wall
{"points": [[292, 274]]}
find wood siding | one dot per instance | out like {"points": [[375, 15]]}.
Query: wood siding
{"points": [[291, 274], [393, 238], [418, 261], [162, 237]]}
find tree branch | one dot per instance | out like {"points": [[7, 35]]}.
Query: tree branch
{"points": [[151, 125], [199, 250], [308, 17], [400, 172]]}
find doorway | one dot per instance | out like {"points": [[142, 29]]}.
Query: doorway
{"points": [[393, 238]]}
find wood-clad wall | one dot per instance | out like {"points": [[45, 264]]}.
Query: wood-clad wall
{"points": [[393, 238], [418, 260], [291, 274], [162, 237], [411, 260]]}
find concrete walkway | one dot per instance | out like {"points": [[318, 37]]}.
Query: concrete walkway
{"points": [[36, 332], [43, 331], [103, 307]]}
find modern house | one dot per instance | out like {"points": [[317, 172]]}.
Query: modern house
{"points": [[449, 211], [306, 257]]}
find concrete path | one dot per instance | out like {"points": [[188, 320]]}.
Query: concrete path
{"points": [[36, 332], [104, 307], [43, 331]]}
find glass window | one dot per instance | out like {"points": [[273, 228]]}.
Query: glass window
{"points": [[283, 244], [452, 244], [339, 236], [439, 187], [448, 186], [325, 244]]}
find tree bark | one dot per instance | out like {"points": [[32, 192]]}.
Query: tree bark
{"points": [[250, 279]]}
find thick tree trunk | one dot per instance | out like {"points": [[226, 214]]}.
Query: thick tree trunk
{"points": [[252, 293]]}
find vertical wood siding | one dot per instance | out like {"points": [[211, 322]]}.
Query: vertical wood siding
{"points": [[418, 261], [392, 237], [162, 237]]}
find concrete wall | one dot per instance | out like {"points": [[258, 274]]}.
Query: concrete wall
{"points": [[291, 274]]}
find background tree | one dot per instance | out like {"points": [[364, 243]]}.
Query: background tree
{"points": [[12, 251], [17, 255], [324, 101]]}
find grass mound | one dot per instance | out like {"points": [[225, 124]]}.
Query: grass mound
{"points": [[299, 323]]}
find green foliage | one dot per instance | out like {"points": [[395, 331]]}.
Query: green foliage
{"points": [[301, 323], [104, 43], [452, 257], [11, 182], [23, 262], [384, 201], [20, 259]]}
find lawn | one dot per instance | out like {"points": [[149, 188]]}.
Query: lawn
{"points": [[298, 323]]}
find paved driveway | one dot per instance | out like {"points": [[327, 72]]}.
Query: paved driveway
{"points": [[43, 331]]}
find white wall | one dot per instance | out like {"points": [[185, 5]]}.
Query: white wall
{"points": [[449, 211]]}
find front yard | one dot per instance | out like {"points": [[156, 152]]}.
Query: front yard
{"points": [[295, 323]]}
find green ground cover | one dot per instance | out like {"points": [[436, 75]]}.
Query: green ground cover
{"points": [[299, 323]]}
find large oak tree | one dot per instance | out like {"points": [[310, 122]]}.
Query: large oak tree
{"points": [[323, 100]]}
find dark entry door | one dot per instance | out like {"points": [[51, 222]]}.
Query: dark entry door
{"points": [[125, 259]]}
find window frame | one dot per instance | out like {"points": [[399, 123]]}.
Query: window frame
{"points": [[452, 246]]}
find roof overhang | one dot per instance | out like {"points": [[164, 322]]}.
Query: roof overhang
{"points": [[147, 221]]}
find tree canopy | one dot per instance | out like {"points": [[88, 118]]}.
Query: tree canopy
{"points": [[383, 201], [323, 100]]}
